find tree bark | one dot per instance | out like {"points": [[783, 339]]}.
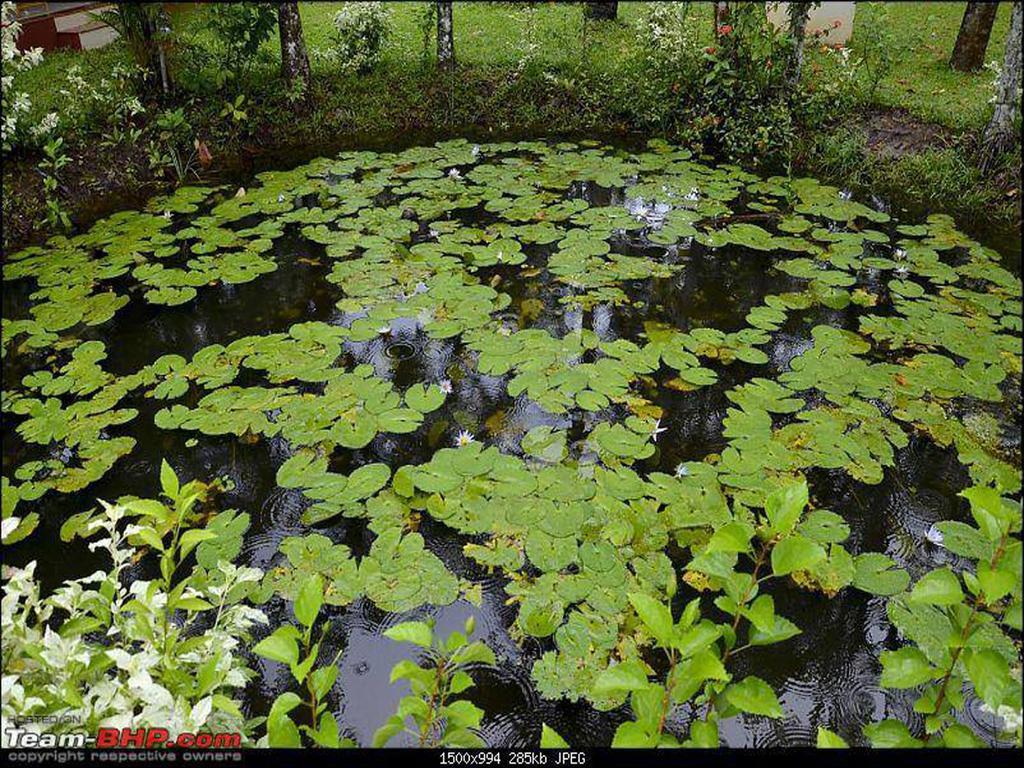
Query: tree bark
{"points": [[445, 37], [972, 39], [999, 133], [798, 15], [601, 11], [294, 59]]}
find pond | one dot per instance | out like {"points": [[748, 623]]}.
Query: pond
{"points": [[519, 380]]}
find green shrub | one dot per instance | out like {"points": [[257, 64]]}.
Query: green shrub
{"points": [[360, 30]]}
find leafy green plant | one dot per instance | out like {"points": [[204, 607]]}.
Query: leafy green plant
{"points": [[294, 645], [54, 160], [164, 653], [960, 627], [235, 109], [239, 29], [439, 719], [876, 47], [145, 28], [174, 147]]}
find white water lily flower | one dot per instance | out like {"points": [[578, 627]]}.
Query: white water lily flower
{"points": [[682, 471], [454, 174], [657, 430], [464, 438], [445, 386], [637, 207], [384, 330]]}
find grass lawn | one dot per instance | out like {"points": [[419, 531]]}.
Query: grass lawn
{"points": [[493, 35], [921, 79]]}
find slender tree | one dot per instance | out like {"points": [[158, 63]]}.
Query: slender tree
{"points": [[601, 11], [144, 27], [999, 133], [972, 39], [445, 38], [721, 16], [294, 59], [798, 15]]}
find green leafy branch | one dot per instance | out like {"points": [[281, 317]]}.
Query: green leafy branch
{"points": [[439, 718]]}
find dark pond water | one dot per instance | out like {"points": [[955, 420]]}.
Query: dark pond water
{"points": [[828, 675]]}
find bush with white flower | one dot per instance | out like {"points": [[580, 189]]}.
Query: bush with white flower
{"points": [[16, 103], [111, 651], [360, 31]]}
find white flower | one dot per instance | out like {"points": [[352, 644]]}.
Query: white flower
{"points": [[445, 386], [384, 330], [682, 471], [464, 438], [454, 174], [934, 535], [657, 429], [47, 125]]}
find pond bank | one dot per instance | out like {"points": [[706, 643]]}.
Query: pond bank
{"points": [[887, 153]]}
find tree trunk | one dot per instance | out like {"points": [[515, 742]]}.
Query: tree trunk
{"points": [[798, 15], [721, 16], [972, 39], [445, 38], [150, 25], [163, 22], [601, 11], [294, 60], [999, 134]]}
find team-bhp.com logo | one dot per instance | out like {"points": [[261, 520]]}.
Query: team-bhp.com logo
{"points": [[120, 738]]}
